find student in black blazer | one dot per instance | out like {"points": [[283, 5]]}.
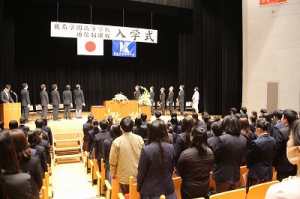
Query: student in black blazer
{"points": [[162, 100], [25, 101], [171, 99], [44, 101], [228, 155], [5, 95], [55, 101], [23, 126], [67, 99], [137, 92], [180, 99], [260, 154]]}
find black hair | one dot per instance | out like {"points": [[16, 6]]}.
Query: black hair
{"points": [[39, 123], [143, 132], [205, 117], [138, 122], [95, 126], [90, 118], [231, 126], [262, 123], [103, 124], [268, 117], [45, 121], [126, 124], [173, 114], [13, 124], [290, 115], [217, 128], [253, 119], [110, 120], [144, 116], [255, 114], [233, 110], [245, 127], [157, 114], [199, 139], [238, 115], [22, 120], [278, 113], [244, 109], [263, 110], [209, 123], [1, 125], [115, 131], [32, 138], [295, 132]]}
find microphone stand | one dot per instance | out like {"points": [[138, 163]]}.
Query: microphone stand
{"points": [[15, 95]]}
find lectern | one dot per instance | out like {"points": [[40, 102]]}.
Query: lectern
{"points": [[10, 111]]}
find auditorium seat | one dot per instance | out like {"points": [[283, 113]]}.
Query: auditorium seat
{"points": [[259, 191], [212, 183], [115, 189], [177, 184], [108, 190], [120, 196], [234, 194], [243, 171], [102, 173]]}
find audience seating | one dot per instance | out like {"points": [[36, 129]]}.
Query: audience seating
{"points": [[87, 162], [120, 196], [212, 183], [108, 190], [234, 194], [44, 194], [98, 184], [243, 170], [259, 191], [115, 189], [177, 184], [133, 194], [46, 183], [102, 173]]}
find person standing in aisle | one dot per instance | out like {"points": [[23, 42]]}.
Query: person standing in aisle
{"points": [[67, 99], [195, 99], [55, 101], [44, 101], [162, 100], [25, 101], [180, 99], [79, 100], [152, 96], [171, 99], [137, 92]]}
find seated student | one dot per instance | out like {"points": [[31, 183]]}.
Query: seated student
{"points": [[144, 119], [217, 130], [137, 125], [99, 141], [23, 126], [14, 184], [13, 124], [37, 150], [28, 164]]}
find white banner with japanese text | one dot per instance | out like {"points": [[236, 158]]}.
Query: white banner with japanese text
{"points": [[106, 32]]}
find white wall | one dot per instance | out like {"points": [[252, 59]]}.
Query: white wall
{"points": [[271, 53]]}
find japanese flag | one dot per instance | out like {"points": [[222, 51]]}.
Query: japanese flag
{"points": [[89, 46]]}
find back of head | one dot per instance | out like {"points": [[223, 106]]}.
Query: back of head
{"points": [[21, 146], [103, 124], [233, 111], [68, 87], [244, 109], [110, 120], [262, 123], [33, 138], [95, 125], [157, 114], [138, 121], [90, 118], [173, 114], [144, 117], [8, 156], [187, 124], [13, 124], [238, 115], [268, 117], [195, 116], [199, 139], [231, 126], [1, 125], [39, 123], [254, 113], [263, 110], [205, 117], [174, 121], [278, 113], [290, 115], [253, 119], [217, 128], [115, 131], [244, 124], [209, 123], [22, 120], [126, 124], [156, 131], [143, 132]]}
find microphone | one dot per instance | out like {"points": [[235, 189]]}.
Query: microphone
{"points": [[13, 93]]}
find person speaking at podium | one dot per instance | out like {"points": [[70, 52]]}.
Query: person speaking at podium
{"points": [[5, 95]]}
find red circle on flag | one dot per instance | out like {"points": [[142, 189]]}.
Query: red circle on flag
{"points": [[90, 46]]}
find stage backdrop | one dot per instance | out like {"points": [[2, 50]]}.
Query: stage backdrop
{"points": [[200, 48]]}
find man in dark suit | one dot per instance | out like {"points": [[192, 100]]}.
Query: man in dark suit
{"points": [[25, 101], [152, 95], [23, 126], [44, 101], [282, 165], [55, 101], [99, 141], [277, 115], [180, 99], [5, 95], [67, 98], [137, 92], [162, 100], [171, 99]]}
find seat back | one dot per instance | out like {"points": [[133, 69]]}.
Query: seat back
{"points": [[38, 107], [108, 189], [259, 191], [133, 194], [115, 188], [212, 183], [234, 194], [102, 175], [177, 184], [243, 171], [121, 196]]}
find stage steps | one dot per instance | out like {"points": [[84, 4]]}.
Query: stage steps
{"points": [[67, 147]]}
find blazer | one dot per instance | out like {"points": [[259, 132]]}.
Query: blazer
{"points": [[137, 94], [78, 98], [99, 144], [280, 161], [277, 126], [44, 98], [24, 128], [6, 98], [228, 156], [162, 97], [181, 96], [152, 94], [33, 167], [45, 144], [25, 100], [170, 97], [67, 97], [55, 97], [152, 180], [40, 153], [259, 158]]}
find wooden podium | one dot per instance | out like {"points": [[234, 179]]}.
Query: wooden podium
{"points": [[10, 111]]}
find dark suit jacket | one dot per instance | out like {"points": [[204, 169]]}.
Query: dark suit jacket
{"points": [[40, 153], [152, 94], [228, 156], [44, 98], [67, 97], [277, 126], [99, 144], [33, 167], [45, 144], [5, 98], [181, 96], [280, 160], [137, 94], [170, 97], [162, 97], [259, 158], [55, 97], [24, 128], [78, 98], [25, 100]]}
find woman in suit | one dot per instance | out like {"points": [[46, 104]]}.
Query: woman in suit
{"points": [[79, 100], [67, 99], [194, 166], [156, 165], [259, 158], [228, 155], [14, 184]]}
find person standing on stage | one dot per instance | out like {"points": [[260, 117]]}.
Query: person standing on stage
{"points": [[5, 95], [180, 99], [25, 101], [44, 101], [137, 92], [152, 95], [195, 99], [67, 98], [79, 100], [162, 100], [171, 99], [55, 101]]}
